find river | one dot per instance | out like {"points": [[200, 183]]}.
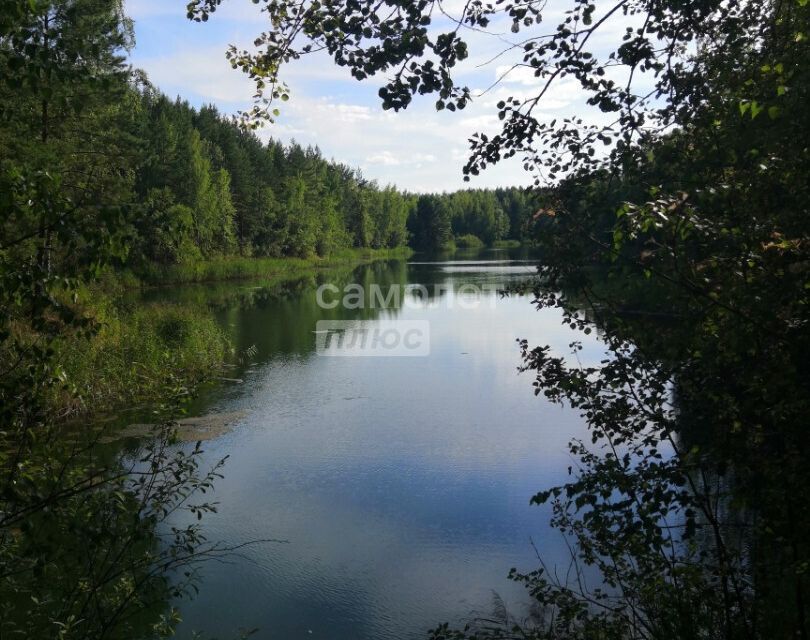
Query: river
{"points": [[396, 486]]}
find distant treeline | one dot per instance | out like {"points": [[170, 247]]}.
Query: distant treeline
{"points": [[210, 188], [471, 215], [159, 182]]}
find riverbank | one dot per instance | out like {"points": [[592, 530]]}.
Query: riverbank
{"points": [[245, 268], [136, 356], [510, 244], [139, 350]]}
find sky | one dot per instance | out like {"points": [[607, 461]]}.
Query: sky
{"points": [[419, 149]]}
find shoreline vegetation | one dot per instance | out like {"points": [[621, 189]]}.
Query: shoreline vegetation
{"points": [[247, 268], [137, 349]]}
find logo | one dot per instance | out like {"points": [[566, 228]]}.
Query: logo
{"points": [[347, 338]]}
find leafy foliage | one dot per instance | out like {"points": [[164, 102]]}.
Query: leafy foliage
{"points": [[213, 190], [83, 546], [676, 227], [489, 215]]}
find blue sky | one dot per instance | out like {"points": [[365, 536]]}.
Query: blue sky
{"points": [[418, 149]]}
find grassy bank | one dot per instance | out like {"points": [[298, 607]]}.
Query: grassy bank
{"points": [[507, 244], [470, 241], [140, 350], [136, 356], [242, 268]]}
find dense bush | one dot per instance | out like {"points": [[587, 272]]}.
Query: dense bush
{"points": [[468, 241]]}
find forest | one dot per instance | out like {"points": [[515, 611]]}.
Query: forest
{"points": [[672, 228], [190, 184], [108, 186]]}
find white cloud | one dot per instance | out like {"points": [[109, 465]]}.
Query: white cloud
{"points": [[203, 72], [347, 113], [518, 75], [485, 122], [418, 149], [385, 158]]}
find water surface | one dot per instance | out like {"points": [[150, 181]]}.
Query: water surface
{"points": [[399, 486]]}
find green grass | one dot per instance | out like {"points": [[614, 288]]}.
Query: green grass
{"points": [[507, 244], [136, 355], [243, 268], [139, 351]]}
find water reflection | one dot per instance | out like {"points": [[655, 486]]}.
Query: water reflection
{"points": [[401, 485]]}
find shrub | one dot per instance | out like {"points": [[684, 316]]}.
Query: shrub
{"points": [[469, 241]]}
